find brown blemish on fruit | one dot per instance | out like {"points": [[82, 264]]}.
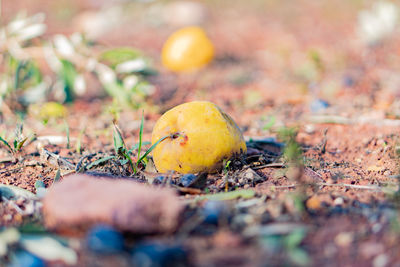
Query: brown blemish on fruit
{"points": [[184, 141]]}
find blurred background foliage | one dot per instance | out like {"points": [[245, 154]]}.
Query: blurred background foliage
{"points": [[60, 51], [36, 68]]}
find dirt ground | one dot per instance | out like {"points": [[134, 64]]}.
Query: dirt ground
{"points": [[278, 64]]}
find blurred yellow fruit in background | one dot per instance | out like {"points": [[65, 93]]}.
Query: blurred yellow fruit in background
{"points": [[203, 136], [47, 111], [187, 49]]}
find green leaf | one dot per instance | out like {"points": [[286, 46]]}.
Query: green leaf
{"points": [[18, 71], [154, 146], [99, 161], [118, 140], [7, 145], [145, 143], [140, 138], [125, 154], [269, 124], [67, 132], [32, 227], [20, 144], [68, 75], [295, 238], [113, 57]]}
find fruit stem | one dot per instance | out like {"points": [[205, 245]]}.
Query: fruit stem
{"points": [[176, 135]]}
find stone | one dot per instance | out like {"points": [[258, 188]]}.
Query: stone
{"points": [[80, 201]]}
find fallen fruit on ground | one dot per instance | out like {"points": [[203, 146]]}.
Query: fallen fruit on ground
{"points": [[187, 49], [201, 138], [49, 110]]}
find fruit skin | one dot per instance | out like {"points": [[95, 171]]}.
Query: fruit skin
{"points": [[204, 137], [187, 49]]}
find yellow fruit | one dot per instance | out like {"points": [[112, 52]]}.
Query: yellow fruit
{"points": [[53, 110], [202, 137], [47, 111], [187, 49]]}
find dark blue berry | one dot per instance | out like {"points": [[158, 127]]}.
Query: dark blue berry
{"points": [[25, 259], [213, 211], [104, 239], [159, 255]]}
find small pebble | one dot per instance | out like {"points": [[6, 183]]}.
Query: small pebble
{"points": [[344, 239], [104, 239], [187, 180], [158, 180], [387, 173], [338, 201], [309, 128]]}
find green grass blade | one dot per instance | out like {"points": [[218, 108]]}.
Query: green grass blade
{"points": [[79, 141], [244, 193], [68, 133], [123, 152], [20, 144], [118, 140], [7, 145], [99, 161], [140, 139], [154, 146]]}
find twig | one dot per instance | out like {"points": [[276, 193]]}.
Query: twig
{"points": [[285, 186], [56, 159], [366, 187], [188, 190], [79, 167], [270, 165]]}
